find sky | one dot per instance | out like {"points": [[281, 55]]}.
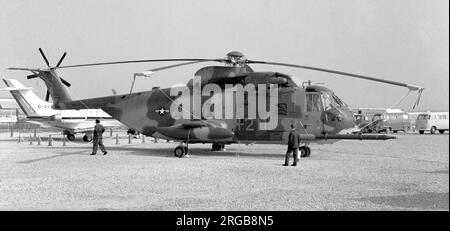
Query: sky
{"points": [[403, 41]]}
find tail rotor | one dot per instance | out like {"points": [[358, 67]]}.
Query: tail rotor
{"points": [[51, 79], [52, 69]]}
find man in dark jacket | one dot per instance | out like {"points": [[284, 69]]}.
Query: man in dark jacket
{"points": [[293, 145], [98, 138]]}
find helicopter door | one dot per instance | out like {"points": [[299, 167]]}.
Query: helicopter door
{"points": [[314, 113], [246, 128]]}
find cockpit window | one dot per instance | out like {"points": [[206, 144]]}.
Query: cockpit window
{"points": [[322, 101], [330, 100], [313, 102], [339, 101], [327, 101]]}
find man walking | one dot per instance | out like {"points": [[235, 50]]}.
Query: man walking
{"points": [[293, 145], [98, 138]]}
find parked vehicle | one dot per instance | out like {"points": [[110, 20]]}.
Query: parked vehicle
{"points": [[395, 121], [368, 124], [388, 121], [432, 122]]}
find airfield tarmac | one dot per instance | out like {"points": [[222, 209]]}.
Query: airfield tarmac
{"points": [[409, 173]]}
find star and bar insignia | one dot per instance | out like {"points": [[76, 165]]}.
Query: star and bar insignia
{"points": [[162, 111]]}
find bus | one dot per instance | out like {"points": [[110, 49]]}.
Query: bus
{"points": [[432, 122]]}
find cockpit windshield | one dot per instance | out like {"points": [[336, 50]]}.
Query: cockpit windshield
{"points": [[339, 101], [322, 101]]}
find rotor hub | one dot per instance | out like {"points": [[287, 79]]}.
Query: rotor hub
{"points": [[235, 58]]}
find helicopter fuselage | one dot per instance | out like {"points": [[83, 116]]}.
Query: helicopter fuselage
{"points": [[314, 110]]}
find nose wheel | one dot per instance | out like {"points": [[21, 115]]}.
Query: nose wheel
{"points": [[181, 151], [218, 147], [304, 150]]}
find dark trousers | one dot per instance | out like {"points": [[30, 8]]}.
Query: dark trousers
{"points": [[294, 152], [98, 141]]}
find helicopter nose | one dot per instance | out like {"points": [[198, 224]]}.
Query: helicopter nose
{"points": [[339, 119], [348, 119]]}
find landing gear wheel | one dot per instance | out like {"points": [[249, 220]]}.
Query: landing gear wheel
{"points": [[71, 137], [217, 147], [433, 130], [180, 151], [421, 131], [303, 151], [441, 131], [87, 138]]}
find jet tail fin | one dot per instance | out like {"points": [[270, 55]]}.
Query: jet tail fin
{"points": [[28, 101]]}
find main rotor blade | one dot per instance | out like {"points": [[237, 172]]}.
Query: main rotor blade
{"points": [[65, 82], [177, 65], [410, 87], [45, 58], [47, 96], [64, 55], [141, 61]]}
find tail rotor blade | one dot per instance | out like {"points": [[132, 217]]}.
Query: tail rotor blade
{"points": [[45, 58], [60, 61], [47, 96], [65, 82]]}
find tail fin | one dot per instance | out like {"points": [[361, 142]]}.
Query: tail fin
{"points": [[55, 86], [30, 103]]}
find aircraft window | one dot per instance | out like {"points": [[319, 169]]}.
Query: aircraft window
{"points": [[330, 100], [440, 117], [313, 102], [444, 117], [282, 109], [327, 102], [339, 101]]}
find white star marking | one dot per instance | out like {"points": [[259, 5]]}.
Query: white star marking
{"points": [[162, 111]]}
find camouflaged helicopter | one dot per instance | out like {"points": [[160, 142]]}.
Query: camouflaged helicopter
{"points": [[318, 113]]}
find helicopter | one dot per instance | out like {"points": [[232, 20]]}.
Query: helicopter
{"points": [[184, 115]]}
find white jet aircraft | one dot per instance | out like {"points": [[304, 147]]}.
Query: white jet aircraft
{"points": [[41, 112]]}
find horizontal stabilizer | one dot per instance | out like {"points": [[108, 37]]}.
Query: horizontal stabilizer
{"points": [[15, 89]]}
